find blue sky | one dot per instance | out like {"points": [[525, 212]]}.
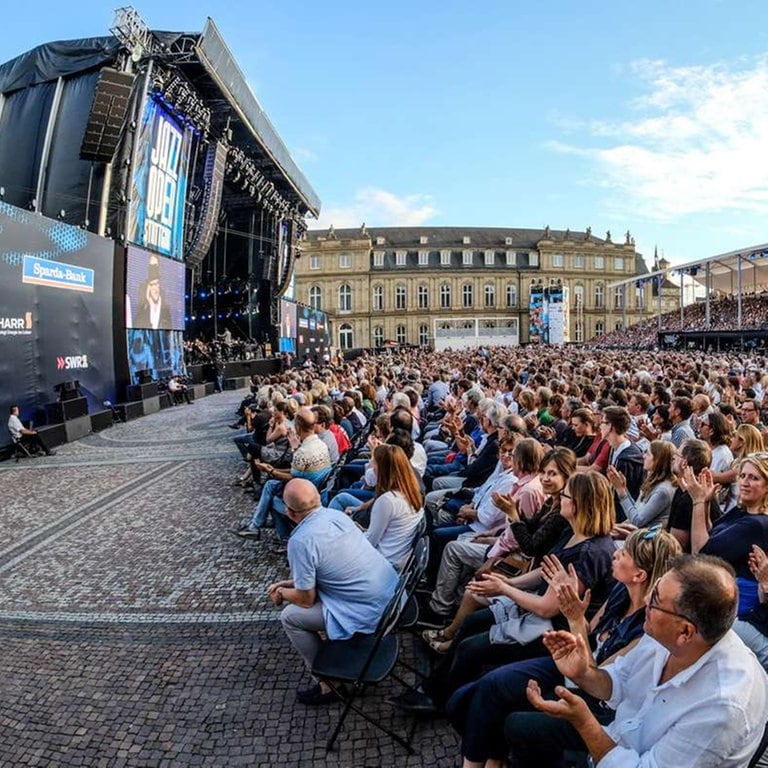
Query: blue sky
{"points": [[651, 116]]}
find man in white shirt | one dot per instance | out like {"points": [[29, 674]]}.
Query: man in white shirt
{"points": [[27, 437], [689, 694]]}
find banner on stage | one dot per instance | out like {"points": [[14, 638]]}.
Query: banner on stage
{"points": [[159, 183]]}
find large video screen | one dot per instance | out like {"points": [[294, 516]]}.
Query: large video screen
{"points": [[287, 326], [313, 339], [159, 183], [160, 352], [154, 291]]}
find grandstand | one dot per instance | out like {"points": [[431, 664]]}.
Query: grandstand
{"points": [[732, 315]]}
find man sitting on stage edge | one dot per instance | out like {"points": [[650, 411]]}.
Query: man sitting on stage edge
{"points": [[27, 437], [339, 583], [689, 693]]}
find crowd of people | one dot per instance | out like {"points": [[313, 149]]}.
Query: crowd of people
{"points": [[723, 316], [598, 526]]}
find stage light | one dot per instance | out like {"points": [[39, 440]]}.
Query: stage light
{"points": [[2, 193], [33, 204], [62, 214]]}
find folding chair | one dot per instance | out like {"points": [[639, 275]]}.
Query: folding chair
{"points": [[365, 660], [20, 451]]}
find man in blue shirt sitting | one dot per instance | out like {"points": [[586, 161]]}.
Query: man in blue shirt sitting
{"points": [[339, 583]]}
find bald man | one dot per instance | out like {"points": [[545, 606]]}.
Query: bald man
{"points": [[339, 583]]}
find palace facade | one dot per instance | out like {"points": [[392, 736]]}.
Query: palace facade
{"points": [[412, 284]]}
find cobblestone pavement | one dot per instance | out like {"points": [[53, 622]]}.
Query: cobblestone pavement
{"points": [[134, 628]]}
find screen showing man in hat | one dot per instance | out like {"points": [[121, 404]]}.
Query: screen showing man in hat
{"points": [[152, 310]]}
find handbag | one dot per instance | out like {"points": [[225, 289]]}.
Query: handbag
{"points": [[278, 456], [513, 565]]}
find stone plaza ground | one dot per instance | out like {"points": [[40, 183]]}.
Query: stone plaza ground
{"points": [[134, 626]]}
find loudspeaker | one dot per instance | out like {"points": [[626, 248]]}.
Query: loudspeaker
{"points": [[200, 242], [68, 390], [108, 115], [128, 411], [150, 405], [66, 410], [141, 391], [144, 376], [53, 435], [77, 428], [101, 420]]}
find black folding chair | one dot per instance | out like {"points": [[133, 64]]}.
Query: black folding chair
{"points": [[366, 660], [20, 451]]}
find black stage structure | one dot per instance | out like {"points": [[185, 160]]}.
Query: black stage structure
{"points": [[126, 161]]}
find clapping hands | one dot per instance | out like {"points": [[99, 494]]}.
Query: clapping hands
{"points": [[702, 488]]}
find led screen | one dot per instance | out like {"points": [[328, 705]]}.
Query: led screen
{"points": [[154, 288]]}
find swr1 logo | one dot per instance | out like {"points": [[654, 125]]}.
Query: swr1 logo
{"points": [[71, 362]]}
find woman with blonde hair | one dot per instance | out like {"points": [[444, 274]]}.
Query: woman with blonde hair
{"points": [[733, 536], [398, 508], [655, 500]]}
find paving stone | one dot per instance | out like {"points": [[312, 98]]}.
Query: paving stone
{"points": [[135, 628]]}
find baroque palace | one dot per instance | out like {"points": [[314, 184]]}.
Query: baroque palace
{"points": [[412, 285]]}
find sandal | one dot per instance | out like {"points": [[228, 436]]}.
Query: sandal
{"points": [[429, 635], [440, 646], [436, 641]]}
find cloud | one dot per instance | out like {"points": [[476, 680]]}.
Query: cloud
{"points": [[692, 144], [378, 208]]}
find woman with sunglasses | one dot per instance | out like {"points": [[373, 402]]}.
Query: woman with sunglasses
{"points": [[478, 710], [733, 535], [655, 500]]}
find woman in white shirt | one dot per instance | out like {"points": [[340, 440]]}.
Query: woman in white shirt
{"points": [[398, 508]]}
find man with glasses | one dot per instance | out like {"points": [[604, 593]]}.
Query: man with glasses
{"points": [[750, 413], [688, 694]]}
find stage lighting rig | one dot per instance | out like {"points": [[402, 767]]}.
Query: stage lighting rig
{"points": [[132, 31]]}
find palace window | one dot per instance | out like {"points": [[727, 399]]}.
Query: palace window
{"points": [[378, 298], [400, 297], [345, 298], [346, 336]]}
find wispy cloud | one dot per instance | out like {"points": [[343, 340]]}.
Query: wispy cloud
{"points": [[378, 208], [693, 143]]}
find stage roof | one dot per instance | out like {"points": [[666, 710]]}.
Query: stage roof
{"points": [[208, 63], [740, 271]]}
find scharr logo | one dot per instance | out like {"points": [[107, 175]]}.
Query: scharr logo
{"points": [[16, 326], [71, 362]]}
